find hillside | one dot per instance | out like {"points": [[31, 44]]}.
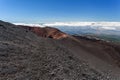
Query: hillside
{"points": [[27, 56], [47, 32]]}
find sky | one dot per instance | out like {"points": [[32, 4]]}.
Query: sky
{"points": [[41, 11]]}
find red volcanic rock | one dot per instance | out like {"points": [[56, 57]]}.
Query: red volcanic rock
{"points": [[48, 32]]}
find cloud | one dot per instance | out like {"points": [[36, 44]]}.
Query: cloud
{"points": [[94, 25], [83, 24], [32, 25], [108, 28], [68, 24]]}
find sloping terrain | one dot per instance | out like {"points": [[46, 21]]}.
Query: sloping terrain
{"points": [[110, 51], [26, 56], [102, 55], [47, 32]]}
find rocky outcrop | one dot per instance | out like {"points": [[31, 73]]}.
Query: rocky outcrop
{"points": [[47, 32]]}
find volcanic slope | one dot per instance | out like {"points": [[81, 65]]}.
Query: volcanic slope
{"points": [[26, 56]]}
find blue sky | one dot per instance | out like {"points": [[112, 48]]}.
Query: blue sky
{"points": [[36, 11]]}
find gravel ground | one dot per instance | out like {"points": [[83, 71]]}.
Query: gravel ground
{"points": [[25, 56]]}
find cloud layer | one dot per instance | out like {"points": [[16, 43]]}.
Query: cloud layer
{"points": [[83, 24], [32, 25], [96, 25]]}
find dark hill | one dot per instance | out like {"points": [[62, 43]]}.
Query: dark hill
{"points": [[27, 56]]}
